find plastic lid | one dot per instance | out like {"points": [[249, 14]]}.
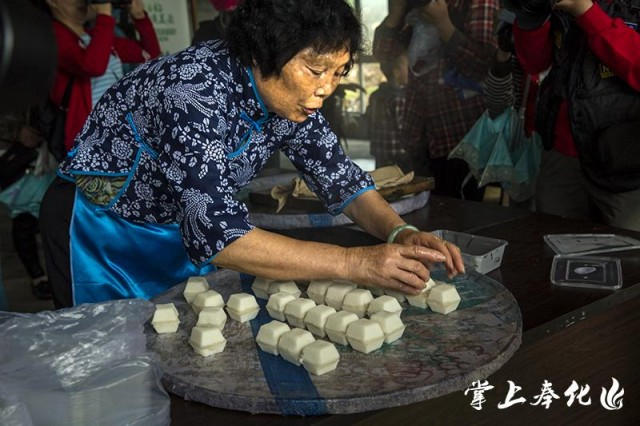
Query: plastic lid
{"points": [[581, 244], [587, 272]]}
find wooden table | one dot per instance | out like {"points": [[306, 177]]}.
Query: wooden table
{"points": [[569, 334]]}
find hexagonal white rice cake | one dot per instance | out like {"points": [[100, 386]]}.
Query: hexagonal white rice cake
{"points": [[207, 299], [296, 310], [443, 298], [317, 290], [165, 318], [384, 303], [284, 287], [336, 293], [357, 301], [320, 357], [337, 324], [212, 317], [269, 335], [260, 287], [194, 286], [207, 340], [316, 319], [391, 325], [292, 342], [277, 303], [242, 307], [365, 335], [420, 300]]}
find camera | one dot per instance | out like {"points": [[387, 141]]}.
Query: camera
{"points": [[114, 3]]}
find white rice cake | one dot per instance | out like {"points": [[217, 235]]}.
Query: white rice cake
{"points": [[296, 310], [365, 335], [420, 300], [242, 307], [317, 290], [284, 287], [207, 299], [260, 287], [207, 340], [212, 317], [194, 286], [384, 303], [337, 324], [391, 325], [277, 303], [336, 293], [165, 318], [292, 342], [269, 335], [443, 298], [316, 319], [357, 301], [320, 357]]}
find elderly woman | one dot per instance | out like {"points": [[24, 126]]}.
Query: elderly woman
{"points": [[146, 197]]}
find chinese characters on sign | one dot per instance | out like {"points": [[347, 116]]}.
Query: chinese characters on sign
{"points": [[610, 399]]}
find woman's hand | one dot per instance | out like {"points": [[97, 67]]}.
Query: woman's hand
{"points": [[392, 266], [574, 7], [437, 12], [136, 10], [451, 252]]}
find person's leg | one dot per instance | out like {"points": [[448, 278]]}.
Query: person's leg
{"points": [[24, 229], [621, 210], [561, 187], [55, 219]]}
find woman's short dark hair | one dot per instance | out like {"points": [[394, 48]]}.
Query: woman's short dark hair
{"points": [[268, 33]]}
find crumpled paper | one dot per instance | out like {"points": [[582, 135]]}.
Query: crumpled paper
{"points": [[383, 177]]}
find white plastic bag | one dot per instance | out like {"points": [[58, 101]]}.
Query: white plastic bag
{"points": [[78, 366]]}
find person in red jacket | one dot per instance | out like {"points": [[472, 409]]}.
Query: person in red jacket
{"points": [[589, 108], [91, 60]]}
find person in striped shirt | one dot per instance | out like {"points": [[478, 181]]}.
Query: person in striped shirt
{"points": [[90, 60]]}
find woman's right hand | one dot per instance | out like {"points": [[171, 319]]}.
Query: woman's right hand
{"points": [[391, 266]]}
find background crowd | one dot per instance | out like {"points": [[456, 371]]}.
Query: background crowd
{"points": [[551, 86]]}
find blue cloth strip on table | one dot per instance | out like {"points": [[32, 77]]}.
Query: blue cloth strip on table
{"points": [[290, 385]]}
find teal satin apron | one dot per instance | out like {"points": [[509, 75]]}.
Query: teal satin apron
{"points": [[112, 258]]}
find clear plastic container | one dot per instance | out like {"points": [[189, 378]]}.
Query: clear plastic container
{"points": [[587, 272], [583, 244], [482, 254]]}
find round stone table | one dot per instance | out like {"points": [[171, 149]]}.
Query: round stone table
{"points": [[438, 354]]}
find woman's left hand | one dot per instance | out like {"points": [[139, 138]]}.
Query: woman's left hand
{"points": [[453, 263], [137, 9]]}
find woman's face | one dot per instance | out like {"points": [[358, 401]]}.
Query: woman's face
{"points": [[304, 83]]}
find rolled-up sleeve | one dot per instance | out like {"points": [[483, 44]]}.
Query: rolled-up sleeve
{"points": [[196, 167], [330, 174]]}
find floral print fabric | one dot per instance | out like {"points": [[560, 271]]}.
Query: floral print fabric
{"points": [[186, 132]]}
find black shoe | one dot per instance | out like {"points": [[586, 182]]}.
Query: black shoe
{"points": [[42, 290]]}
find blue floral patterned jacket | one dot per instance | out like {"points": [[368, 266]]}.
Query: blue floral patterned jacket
{"points": [[185, 132]]}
